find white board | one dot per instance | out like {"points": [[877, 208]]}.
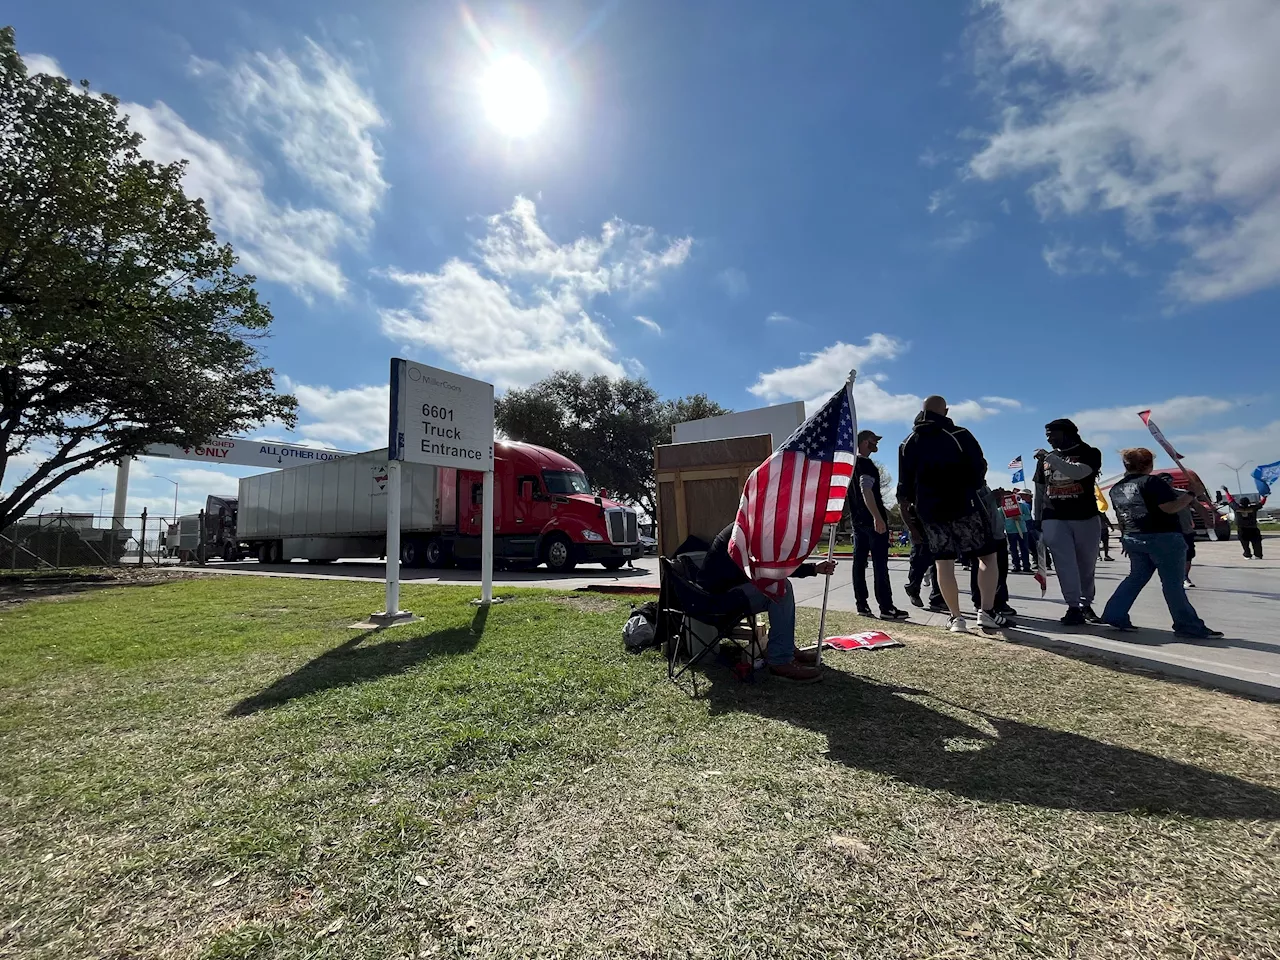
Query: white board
{"points": [[440, 417], [245, 453], [779, 421]]}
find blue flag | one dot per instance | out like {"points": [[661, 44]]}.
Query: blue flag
{"points": [[1019, 477], [1266, 475]]}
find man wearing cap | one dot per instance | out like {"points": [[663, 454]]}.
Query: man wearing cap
{"points": [[1067, 508], [870, 531]]}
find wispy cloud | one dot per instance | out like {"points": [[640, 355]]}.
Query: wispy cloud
{"points": [[1174, 412], [819, 374], [1065, 259], [649, 324], [733, 282], [776, 317], [520, 307], [938, 199], [962, 234], [1162, 110], [319, 120]]}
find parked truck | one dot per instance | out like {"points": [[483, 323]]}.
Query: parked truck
{"points": [[188, 541], [543, 512]]}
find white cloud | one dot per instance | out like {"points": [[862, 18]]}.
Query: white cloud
{"points": [[649, 324], [520, 309], [963, 234], [1063, 258], [777, 317], [733, 282], [351, 419], [1174, 412], [39, 63], [821, 374], [1162, 110], [937, 200], [1005, 402], [319, 120], [824, 370], [1251, 446]]}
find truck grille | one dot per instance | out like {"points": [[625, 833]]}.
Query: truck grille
{"points": [[623, 526]]}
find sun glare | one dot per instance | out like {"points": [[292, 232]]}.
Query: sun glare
{"points": [[514, 97]]}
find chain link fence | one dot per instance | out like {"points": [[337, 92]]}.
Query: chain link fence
{"points": [[53, 541]]}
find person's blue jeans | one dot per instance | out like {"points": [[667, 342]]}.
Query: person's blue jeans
{"points": [[1019, 555], [867, 544], [782, 621], [1149, 553]]}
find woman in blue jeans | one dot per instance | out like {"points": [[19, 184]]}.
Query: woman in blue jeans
{"points": [[1152, 536]]}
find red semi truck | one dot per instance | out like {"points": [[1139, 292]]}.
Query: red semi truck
{"points": [[1203, 513], [543, 512]]}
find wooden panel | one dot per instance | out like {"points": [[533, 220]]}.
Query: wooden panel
{"points": [[710, 505], [668, 533], [714, 453]]}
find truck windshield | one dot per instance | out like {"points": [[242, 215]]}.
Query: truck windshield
{"points": [[565, 482]]}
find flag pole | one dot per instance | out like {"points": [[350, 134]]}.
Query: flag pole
{"points": [[831, 539]]}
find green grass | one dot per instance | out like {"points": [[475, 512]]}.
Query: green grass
{"points": [[221, 768]]}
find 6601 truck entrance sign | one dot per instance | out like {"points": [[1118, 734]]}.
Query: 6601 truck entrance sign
{"points": [[440, 417]]}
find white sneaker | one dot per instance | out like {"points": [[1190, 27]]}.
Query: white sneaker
{"points": [[993, 621], [957, 625], [1187, 582]]}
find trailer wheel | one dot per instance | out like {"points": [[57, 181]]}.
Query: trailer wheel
{"points": [[274, 552], [558, 554], [411, 553], [264, 553], [433, 554], [230, 553]]}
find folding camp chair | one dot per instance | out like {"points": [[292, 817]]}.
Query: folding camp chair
{"points": [[727, 616]]}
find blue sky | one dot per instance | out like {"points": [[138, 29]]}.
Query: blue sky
{"points": [[1037, 208]]}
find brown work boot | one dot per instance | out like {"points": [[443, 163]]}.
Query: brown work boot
{"points": [[795, 672], [807, 655]]}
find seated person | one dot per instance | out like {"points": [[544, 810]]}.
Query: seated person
{"points": [[720, 573]]}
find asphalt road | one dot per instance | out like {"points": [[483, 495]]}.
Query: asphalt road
{"points": [[1237, 596]]}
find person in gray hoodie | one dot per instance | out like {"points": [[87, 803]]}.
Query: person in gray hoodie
{"points": [[1067, 509]]}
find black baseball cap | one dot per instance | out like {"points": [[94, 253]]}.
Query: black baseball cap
{"points": [[868, 435]]}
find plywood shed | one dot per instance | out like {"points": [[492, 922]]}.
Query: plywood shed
{"points": [[700, 485]]}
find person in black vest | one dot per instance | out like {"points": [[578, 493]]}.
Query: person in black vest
{"points": [[1147, 508], [1247, 523], [870, 531]]}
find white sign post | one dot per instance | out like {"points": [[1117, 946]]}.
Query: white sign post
{"points": [[441, 418]]}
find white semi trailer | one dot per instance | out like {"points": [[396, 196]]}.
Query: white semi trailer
{"points": [[543, 512]]}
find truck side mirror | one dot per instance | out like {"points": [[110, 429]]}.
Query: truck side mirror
{"points": [[477, 494]]}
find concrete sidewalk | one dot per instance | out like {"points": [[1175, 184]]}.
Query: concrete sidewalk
{"points": [[1237, 596]]}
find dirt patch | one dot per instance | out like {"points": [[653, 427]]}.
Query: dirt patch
{"points": [[588, 604], [19, 588]]}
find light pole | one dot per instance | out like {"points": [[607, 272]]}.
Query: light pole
{"points": [[1236, 470], [175, 497]]}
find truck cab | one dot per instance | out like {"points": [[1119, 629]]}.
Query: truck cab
{"points": [[544, 511]]}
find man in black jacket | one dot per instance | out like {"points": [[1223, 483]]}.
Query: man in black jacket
{"points": [[941, 468], [720, 573], [870, 531]]}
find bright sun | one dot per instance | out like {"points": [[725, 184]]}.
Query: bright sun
{"points": [[514, 98]]}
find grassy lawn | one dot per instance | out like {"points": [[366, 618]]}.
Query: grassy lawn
{"points": [[219, 767]]}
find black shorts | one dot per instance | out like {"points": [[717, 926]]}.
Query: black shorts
{"points": [[1191, 545], [968, 537]]}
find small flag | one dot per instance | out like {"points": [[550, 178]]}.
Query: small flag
{"points": [[1016, 463], [1265, 476], [1019, 477], [1160, 438], [792, 495]]}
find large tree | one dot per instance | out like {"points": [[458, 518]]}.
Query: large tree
{"points": [[608, 427], [123, 320]]}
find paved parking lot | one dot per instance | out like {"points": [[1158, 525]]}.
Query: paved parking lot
{"points": [[1237, 596]]}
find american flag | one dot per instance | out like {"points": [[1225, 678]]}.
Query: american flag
{"points": [[1016, 463], [792, 495]]}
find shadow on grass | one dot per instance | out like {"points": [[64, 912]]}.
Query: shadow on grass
{"points": [[893, 730], [351, 663]]}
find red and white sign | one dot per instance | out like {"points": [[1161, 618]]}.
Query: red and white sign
{"points": [[871, 640]]}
